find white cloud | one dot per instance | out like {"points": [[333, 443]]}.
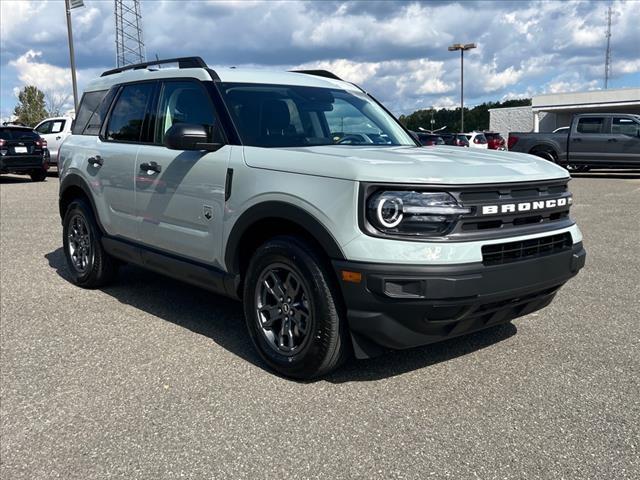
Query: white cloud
{"points": [[396, 50]]}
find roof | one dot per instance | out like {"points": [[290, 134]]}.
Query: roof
{"points": [[16, 127], [226, 74], [595, 98]]}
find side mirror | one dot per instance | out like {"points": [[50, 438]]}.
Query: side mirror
{"points": [[189, 136]]}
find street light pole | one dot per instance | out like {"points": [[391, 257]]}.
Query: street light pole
{"points": [[69, 4], [462, 48]]}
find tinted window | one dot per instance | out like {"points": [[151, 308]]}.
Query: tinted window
{"points": [[625, 126], [95, 122], [127, 116], [18, 134], [591, 125], [44, 128], [184, 102], [88, 105], [294, 116]]}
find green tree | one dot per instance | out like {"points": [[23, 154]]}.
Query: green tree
{"points": [[31, 107], [476, 118]]}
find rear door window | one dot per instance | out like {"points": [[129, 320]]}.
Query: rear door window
{"points": [[591, 125], [625, 126], [128, 114]]}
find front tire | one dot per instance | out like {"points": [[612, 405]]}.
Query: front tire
{"points": [[293, 310], [89, 264]]}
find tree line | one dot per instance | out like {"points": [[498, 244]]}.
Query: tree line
{"points": [[476, 118], [34, 105]]}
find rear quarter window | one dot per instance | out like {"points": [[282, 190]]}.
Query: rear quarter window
{"points": [[88, 107]]}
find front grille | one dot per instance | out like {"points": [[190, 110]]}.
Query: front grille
{"points": [[501, 253], [476, 224]]}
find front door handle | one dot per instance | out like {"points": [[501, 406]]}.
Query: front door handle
{"points": [[150, 167], [612, 140], [95, 161]]}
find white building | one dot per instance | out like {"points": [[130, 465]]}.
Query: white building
{"points": [[554, 110]]}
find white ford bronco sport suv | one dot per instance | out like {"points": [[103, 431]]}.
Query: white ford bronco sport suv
{"points": [[301, 195]]}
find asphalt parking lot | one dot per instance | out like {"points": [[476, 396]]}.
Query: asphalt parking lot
{"points": [[151, 378]]}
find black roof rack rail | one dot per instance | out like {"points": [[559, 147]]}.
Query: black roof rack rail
{"points": [[183, 62], [319, 73]]}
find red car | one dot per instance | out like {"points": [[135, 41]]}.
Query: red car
{"points": [[495, 141]]}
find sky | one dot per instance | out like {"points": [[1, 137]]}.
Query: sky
{"points": [[396, 50]]}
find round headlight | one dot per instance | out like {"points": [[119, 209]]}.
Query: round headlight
{"points": [[389, 211]]}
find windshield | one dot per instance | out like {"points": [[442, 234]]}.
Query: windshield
{"points": [[297, 116]]}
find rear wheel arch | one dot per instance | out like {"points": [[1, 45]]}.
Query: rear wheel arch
{"points": [[73, 187], [546, 151]]}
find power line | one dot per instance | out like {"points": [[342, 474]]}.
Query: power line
{"points": [[129, 40]]}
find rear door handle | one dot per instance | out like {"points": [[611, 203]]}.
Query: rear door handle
{"points": [[95, 161], [612, 140], [58, 137], [577, 139], [150, 167]]}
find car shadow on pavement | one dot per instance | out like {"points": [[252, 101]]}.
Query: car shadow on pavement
{"points": [[221, 319], [4, 179]]}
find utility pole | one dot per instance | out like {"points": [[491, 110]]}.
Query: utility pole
{"points": [[69, 4], [462, 48], [607, 58]]}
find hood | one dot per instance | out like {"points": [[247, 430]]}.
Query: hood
{"points": [[441, 164]]}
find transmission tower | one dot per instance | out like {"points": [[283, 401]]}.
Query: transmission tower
{"points": [[129, 42], [607, 58]]}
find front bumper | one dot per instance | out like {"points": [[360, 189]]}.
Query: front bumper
{"points": [[399, 306]]}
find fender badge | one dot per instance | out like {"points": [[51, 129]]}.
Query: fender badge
{"points": [[207, 212]]}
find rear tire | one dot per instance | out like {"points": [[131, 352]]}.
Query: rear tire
{"points": [[89, 264], [38, 175], [293, 310]]}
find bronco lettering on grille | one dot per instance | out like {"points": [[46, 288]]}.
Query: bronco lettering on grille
{"points": [[526, 206]]}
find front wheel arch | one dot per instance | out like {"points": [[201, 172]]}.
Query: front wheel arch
{"points": [[266, 220]]}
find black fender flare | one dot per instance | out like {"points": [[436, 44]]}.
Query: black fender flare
{"points": [[284, 211], [75, 180]]}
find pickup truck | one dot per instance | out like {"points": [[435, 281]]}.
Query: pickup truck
{"points": [[594, 140]]}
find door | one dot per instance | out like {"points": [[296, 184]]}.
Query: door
{"points": [[588, 141], [180, 194], [53, 131], [113, 166], [624, 141]]}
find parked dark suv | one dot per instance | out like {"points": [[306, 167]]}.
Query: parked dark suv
{"points": [[24, 152]]}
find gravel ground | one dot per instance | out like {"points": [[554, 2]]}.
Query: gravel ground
{"points": [[154, 379]]}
